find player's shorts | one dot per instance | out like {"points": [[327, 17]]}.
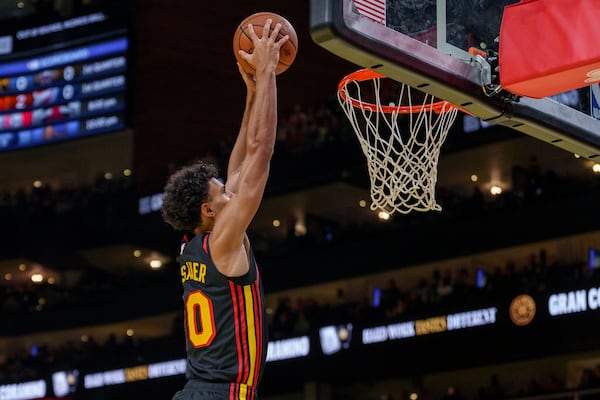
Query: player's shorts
{"points": [[200, 390]]}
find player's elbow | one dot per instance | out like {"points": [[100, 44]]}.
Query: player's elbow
{"points": [[262, 150]]}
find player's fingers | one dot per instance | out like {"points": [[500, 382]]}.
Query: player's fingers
{"points": [[245, 55], [276, 30], [252, 33], [282, 40], [267, 28]]}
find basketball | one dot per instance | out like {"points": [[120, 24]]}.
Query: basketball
{"points": [[242, 41]]}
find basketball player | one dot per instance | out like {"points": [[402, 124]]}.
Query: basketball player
{"points": [[225, 322]]}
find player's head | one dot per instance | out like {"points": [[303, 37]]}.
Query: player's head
{"points": [[185, 192]]}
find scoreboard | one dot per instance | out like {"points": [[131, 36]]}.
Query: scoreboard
{"points": [[70, 81]]}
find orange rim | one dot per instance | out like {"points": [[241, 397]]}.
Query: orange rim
{"points": [[362, 75]]}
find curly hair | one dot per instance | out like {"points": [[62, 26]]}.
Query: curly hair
{"points": [[185, 191]]}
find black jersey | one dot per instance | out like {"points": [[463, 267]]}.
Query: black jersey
{"points": [[225, 325]]}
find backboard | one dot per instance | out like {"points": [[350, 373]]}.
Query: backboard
{"points": [[425, 43]]}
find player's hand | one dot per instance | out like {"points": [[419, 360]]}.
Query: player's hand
{"points": [[265, 56], [248, 79]]}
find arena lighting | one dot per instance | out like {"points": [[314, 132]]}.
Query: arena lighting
{"points": [[300, 228], [149, 204], [19, 9], [384, 216], [495, 190], [155, 260]]}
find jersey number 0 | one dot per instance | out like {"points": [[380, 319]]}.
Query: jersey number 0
{"points": [[200, 319]]}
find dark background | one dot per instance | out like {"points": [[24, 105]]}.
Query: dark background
{"points": [[188, 90]]}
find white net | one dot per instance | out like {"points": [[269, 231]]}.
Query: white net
{"points": [[401, 131]]}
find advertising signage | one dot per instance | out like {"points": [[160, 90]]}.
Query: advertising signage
{"points": [[426, 326], [575, 301], [517, 321], [23, 391]]}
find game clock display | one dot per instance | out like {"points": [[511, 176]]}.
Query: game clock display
{"points": [[63, 91]]}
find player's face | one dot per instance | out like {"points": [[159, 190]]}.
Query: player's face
{"points": [[219, 195]]}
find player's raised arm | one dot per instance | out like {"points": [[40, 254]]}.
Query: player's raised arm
{"points": [[239, 148], [237, 211]]}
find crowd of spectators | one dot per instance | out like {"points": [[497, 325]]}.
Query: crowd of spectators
{"points": [[66, 217], [455, 288], [315, 146]]}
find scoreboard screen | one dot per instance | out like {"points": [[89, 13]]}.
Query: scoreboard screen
{"points": [[64, 80]]}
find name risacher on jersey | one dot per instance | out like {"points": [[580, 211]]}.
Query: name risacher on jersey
{"points": [[194, 271]]}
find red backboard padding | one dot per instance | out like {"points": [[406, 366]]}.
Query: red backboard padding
{"points": [[549, 46]]}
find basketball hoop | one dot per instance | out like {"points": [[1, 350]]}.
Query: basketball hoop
{"points": [[402, 156]]}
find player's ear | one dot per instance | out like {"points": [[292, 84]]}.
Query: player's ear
{"points": [[206, 210]]}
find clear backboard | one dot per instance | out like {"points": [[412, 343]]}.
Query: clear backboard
{"points": [[426, 43]]}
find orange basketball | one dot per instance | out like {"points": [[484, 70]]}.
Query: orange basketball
{"points": [[242, 41]]}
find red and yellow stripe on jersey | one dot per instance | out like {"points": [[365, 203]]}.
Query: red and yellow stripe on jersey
{"points": [[248, 317]]}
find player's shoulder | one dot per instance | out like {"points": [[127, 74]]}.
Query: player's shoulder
{"points": [[194, 244]]}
